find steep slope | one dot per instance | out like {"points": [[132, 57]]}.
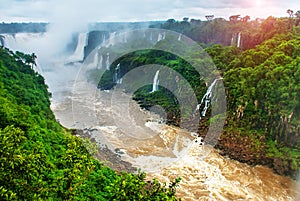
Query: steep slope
{"points": [[40, 160]]}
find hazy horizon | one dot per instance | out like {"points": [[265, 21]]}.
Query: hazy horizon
{"points": [[82, 12]]}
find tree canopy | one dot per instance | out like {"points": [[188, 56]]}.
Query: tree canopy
{"points": [[41, 160]]}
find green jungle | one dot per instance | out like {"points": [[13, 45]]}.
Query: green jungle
{"points": [[41, 160], [261, 79]]}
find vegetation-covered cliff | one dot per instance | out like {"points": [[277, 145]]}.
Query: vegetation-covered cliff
{"points": [[40, 160], [261, 79]]}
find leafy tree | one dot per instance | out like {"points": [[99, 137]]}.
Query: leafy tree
{"points": [[41, 160]]}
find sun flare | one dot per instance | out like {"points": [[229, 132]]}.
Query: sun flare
{"points": [[257, 2]]}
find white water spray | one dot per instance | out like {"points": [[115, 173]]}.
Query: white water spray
{"points": [[179, 37], [232, 40], [117, 78], [159, 37], [79, 51], [155, 82], [239, 40], [206, 99], [107, 61], [99, 66]]}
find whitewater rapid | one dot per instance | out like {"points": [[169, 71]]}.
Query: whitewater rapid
{"points": [[164, 152]]}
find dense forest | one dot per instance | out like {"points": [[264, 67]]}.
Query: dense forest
{"points": [[41, 160], [23, 27], [260, 76], [225, 32]]}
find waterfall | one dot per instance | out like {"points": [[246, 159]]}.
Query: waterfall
{"points": [[107, 61], [151, 36], [232, 40], [236, 39], [160, 37], [164, 36], [112, 37], [117, 77], [179, 37], [155, 82], [79, 51], [103, 37], [239, 40], [100, 61], [206, 99], [10, 41], [21, 41]]}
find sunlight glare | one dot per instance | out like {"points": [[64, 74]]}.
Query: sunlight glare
{"points": [[258, 2]]}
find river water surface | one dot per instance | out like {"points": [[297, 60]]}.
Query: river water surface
{"points": [[164, 152]]}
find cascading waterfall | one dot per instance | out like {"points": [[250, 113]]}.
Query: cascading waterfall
{"points": [[155, 82], [112, 37], [170, 153], [236, 39], [9, 41], [103, 37], [179, 37], [232, 40], [100, 61], [78, 54], [238, 44], [159, 37], [21, 41], [206, 99], [117, 77], [107, 61]]}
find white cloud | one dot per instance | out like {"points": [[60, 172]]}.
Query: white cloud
{"points": [[80, 12]]}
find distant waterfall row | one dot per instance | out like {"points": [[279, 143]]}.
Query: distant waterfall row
{"points": [[87, 42], [81, 45], [20, 41]]}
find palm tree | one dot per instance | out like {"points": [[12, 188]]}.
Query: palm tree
{"points": [[209, 17], [234, 18], [30, 59], [290, 12], [297, 15], [246, 18]]}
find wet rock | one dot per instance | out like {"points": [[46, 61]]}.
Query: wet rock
{"points": [[106, 156]]}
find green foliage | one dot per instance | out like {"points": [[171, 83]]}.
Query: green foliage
{"points": [[163, 97], [261, 80], [263, 94], [40, 160], [263, 86], [106, 81], [221, 31]]}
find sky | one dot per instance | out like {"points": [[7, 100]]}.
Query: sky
{"points": [[83, 11], [69, 16]]}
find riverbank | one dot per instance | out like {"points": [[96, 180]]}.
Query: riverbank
{"points": [[161, 151], [105, 155]]}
